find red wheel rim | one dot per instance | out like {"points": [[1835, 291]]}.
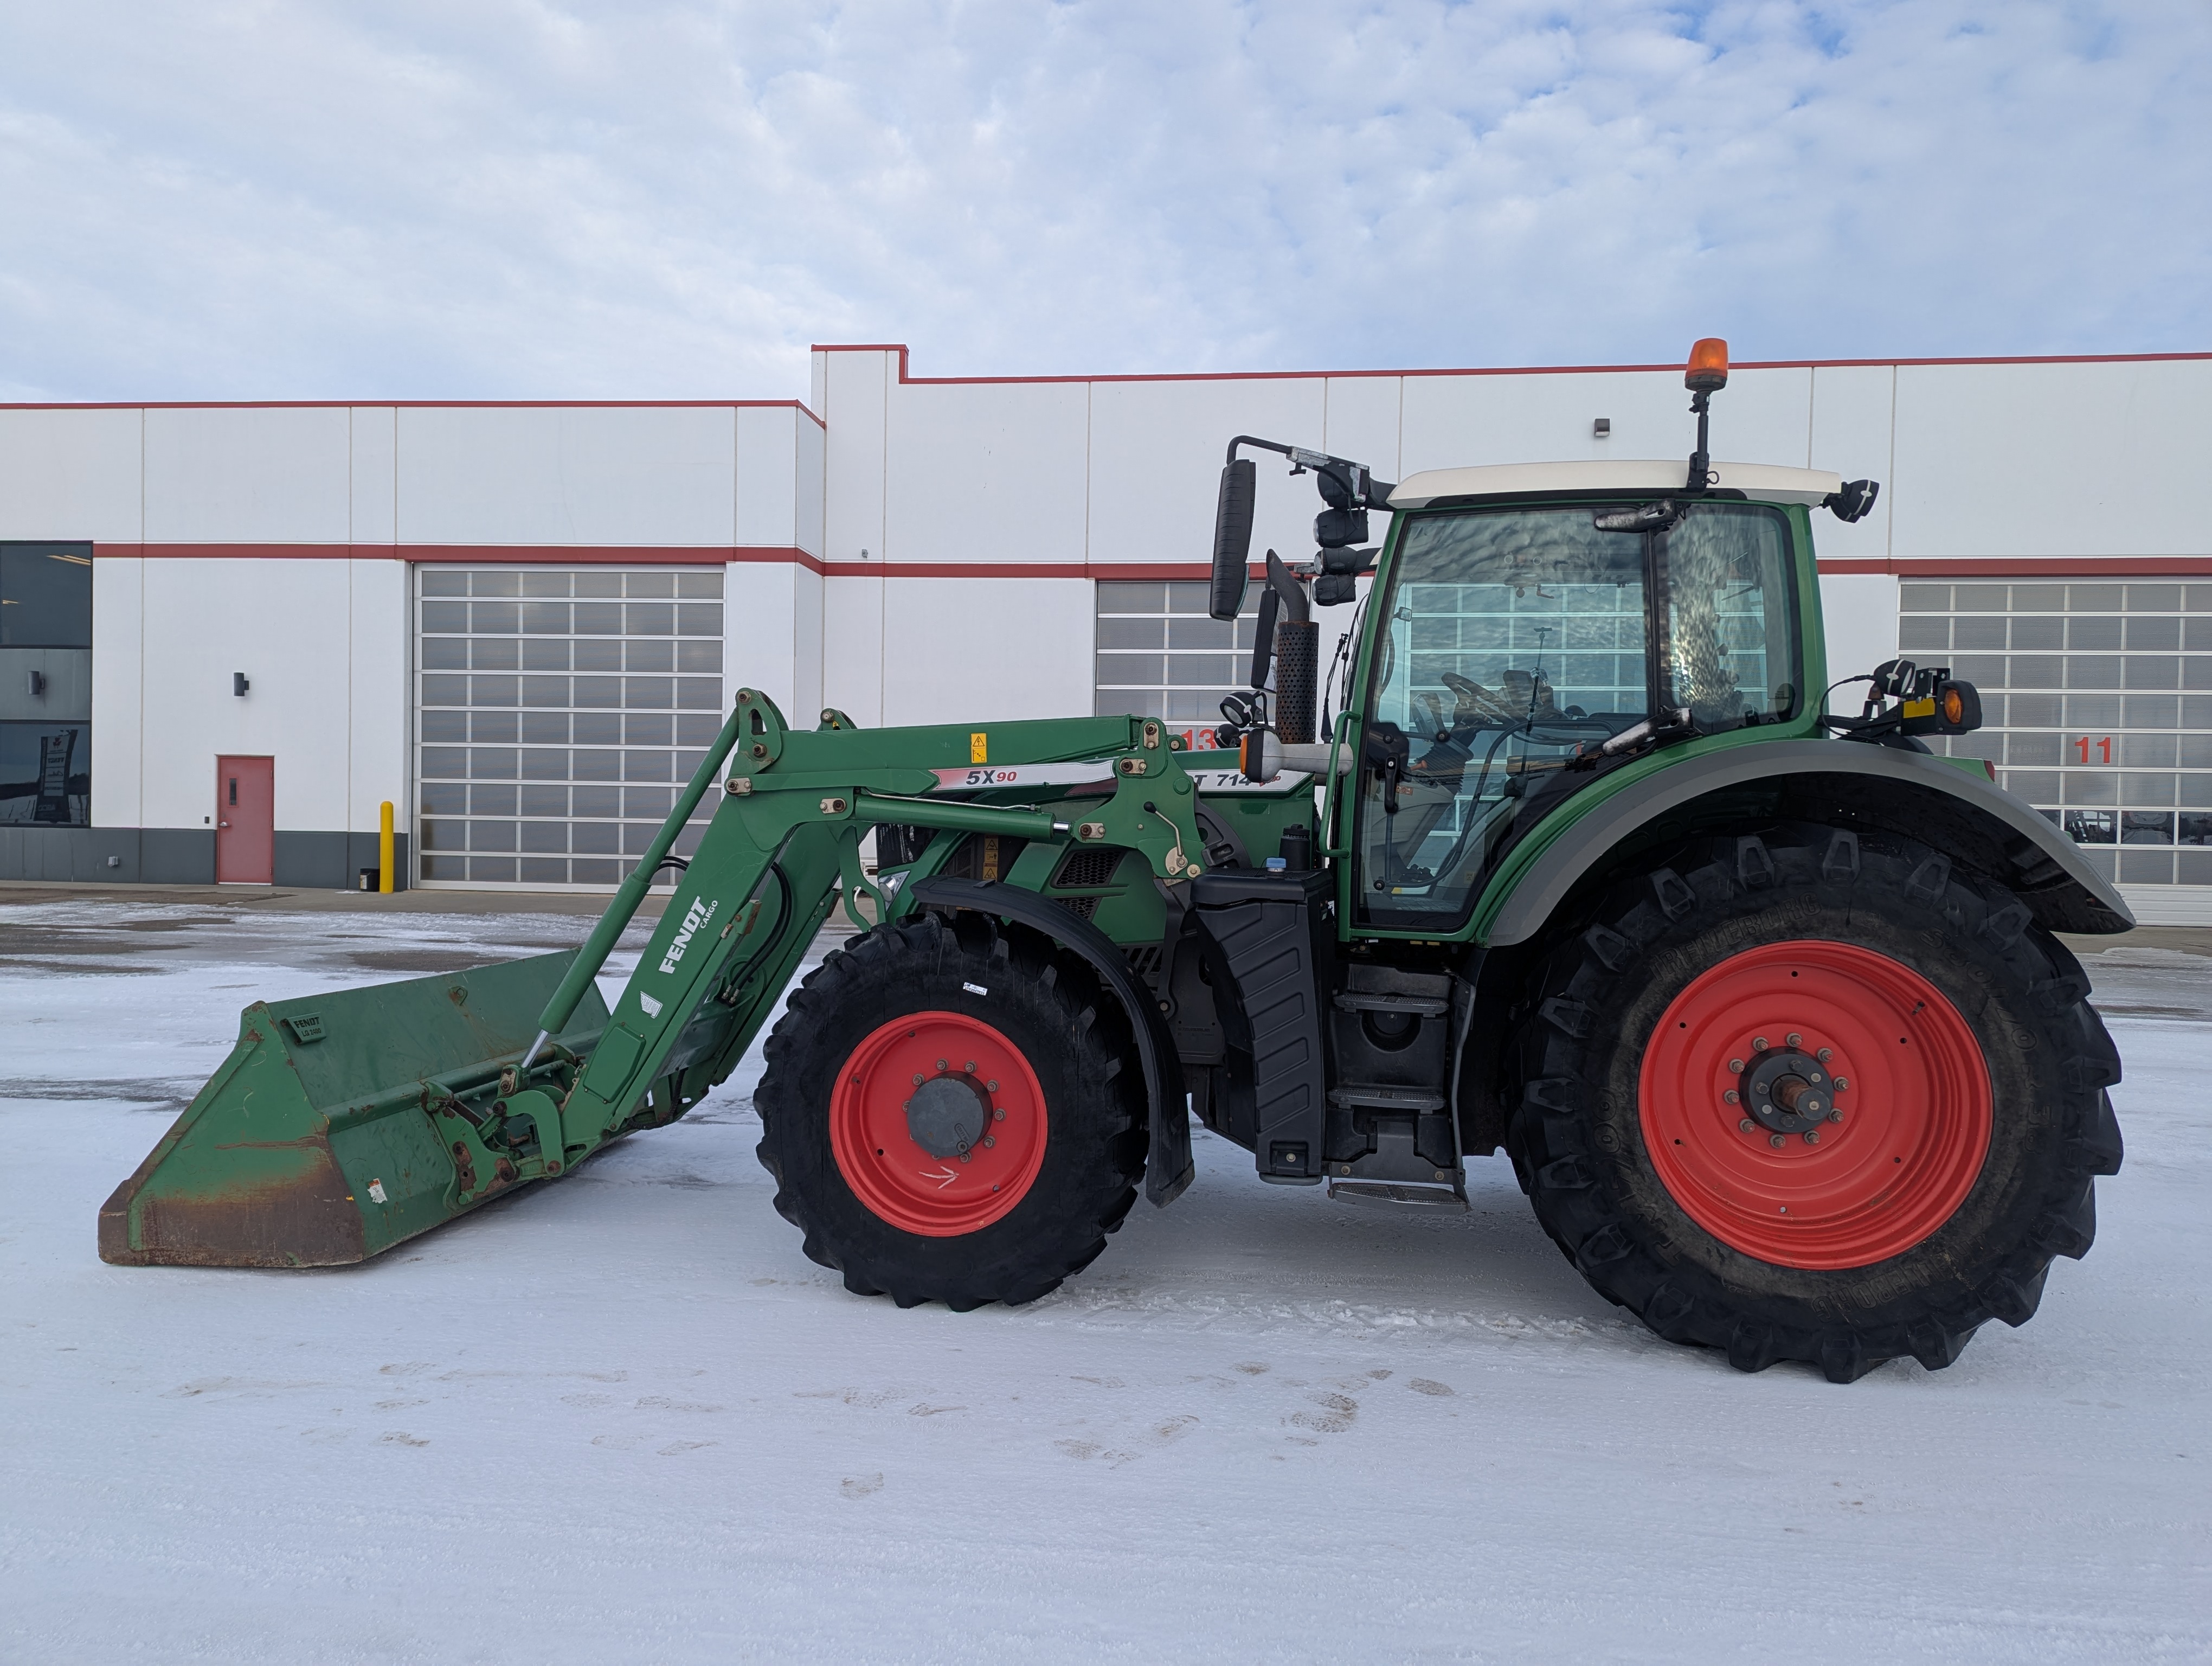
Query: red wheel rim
{"points": [[945, 1193], [1902, 1070]]}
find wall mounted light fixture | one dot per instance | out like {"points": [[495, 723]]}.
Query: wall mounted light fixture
{"points": [[238, 682], [38, 684], [1601, 429]]}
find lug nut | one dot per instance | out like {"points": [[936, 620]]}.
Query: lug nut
{"points": [[964, 1156], [1841, 1084], [1736, 1065], [990, 1087], [1812, 1136], [990, 1139], [971, 1066], [1793, 1038], [1747, 1125], [1835, 1116], [1759, 1044], [917, 1079], [1775, 1140], [1824, 1055], [1732, 1096], [941, 1064], [999, 1114]]}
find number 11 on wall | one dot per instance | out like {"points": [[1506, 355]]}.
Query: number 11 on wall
{"points": [[2103, 744]]}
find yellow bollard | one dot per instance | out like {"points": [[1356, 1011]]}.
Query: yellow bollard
{"points": [[383, 847]]}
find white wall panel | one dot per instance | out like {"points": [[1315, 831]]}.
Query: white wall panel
{"points": [[808, 484], [573, 474], [1453, 422], [853, 646], [1860, 612], [375, 483], [1156, 450], [986, 471], [119, 643], [1363, 421], [768, 475], [71, 474], [759, 638], [2050, 460], [377, 702], [264, 475], [1851, 434], [855, 394], [215, 616], [986, 650]]}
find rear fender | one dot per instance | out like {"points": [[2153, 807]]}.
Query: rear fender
{"points": [[1962, 815], [1168, 1168]]}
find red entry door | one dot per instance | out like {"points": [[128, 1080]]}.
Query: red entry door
{"points": [[245, 821]]}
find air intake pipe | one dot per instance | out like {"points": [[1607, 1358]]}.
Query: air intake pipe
{"points": [[1287, 633]]}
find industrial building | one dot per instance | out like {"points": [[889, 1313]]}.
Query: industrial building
{"points": [[229, 633]]}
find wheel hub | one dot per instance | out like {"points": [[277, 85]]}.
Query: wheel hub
{"points": [[947, 1114], [1787, 1091]]}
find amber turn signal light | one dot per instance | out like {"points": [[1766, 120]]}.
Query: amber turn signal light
{"points": [[1954, 705], [1708, 370]]}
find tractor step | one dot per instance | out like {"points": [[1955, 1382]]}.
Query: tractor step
{"points": [[1389, 1194]]}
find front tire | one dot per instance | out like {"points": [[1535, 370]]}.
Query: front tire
{"points": [[1799, 1100], [952, 1113]]}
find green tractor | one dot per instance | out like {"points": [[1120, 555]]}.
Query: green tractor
{"points": [[1765, 1006]]}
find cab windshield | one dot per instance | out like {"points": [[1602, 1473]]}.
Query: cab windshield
{"points": [[1516, 643]]}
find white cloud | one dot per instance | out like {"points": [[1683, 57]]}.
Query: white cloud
{"points": [[524, 199]]}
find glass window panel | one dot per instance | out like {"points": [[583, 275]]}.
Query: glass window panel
{"points": [[1925, 598], [445, 691], [1980, 599], [2154, 635], [699, 619], [491, 801], [545, 618], [2037, 787], [650, 656], [2092, 671], [543, 870], [2197, 671], [2032, 749], [493, 691], [441, 798], [697, 730], [1980, 669], [648, 693], [492, 762], [545, 654], [2145, 868], [2030, 711], [2153, 670], [494, 653], [545, 691], [2197, 752], [598, 801], [1918, 635], [648, 584], [493, 870], [445, 835], [597, 764], [2146, 827], [2095, 598], [491, 836], [2092, 786], [1137, 633], [2153, 598], [2146, 789], [598, 619], [699, 656], [2036, 671], [544, 764], [2197, 634], [652, 802], [2092, 826], [1119, 596], [600, 581], [597, 691], [700, 583], [643, 729], [2146, 751], [444, 581], [2193, 867], [597, 873], [545, 836], [2092, 634], [2195, 792], [2194, 830], [1193, 598], [451, 762], [2038, 633], [544, 801], [2038, 598], [544, 584], [647, 766], [1201, 670], [46, 773], [592, 654], [505, 583], [445, 654], [451, 617], [1973, 633], [2093, 711], [492, 725], [598, 729], [445, 867], [1207, 633], [493, 617], [649, 619], [1130, 670]]}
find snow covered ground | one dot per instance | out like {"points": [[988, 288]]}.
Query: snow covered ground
{"points": [[623, 1418]]}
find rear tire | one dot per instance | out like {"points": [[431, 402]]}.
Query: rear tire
{"points": [[1956, 1167], [1022, 1044]]}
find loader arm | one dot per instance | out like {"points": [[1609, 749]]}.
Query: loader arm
{"points": [[343, 1124]]}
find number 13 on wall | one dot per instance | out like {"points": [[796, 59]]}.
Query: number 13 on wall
{"points": [[2103, 744]]}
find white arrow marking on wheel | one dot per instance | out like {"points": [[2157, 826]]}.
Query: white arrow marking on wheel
{"points": [[950, 1175]]}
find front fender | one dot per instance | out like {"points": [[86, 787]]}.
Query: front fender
{"points": [[1169, 1167], [1967, 818]]}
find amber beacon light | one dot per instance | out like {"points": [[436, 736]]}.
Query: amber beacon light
{"points": [[1708, 371]]}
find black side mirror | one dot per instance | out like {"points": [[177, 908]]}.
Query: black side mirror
{"points": [[1855, 502], [1232, 537], [1263, 636]]}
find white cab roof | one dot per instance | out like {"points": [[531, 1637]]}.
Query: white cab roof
{"points": [[1766, 482]]}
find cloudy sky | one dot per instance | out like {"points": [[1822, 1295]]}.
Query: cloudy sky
{"points": [[457, 198]]}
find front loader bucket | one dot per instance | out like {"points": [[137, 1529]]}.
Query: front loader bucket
{"points": [[343, 1123]]}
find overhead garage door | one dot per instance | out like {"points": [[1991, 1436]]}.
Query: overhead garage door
{"points": [[2098, 698], [559, 712]]}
